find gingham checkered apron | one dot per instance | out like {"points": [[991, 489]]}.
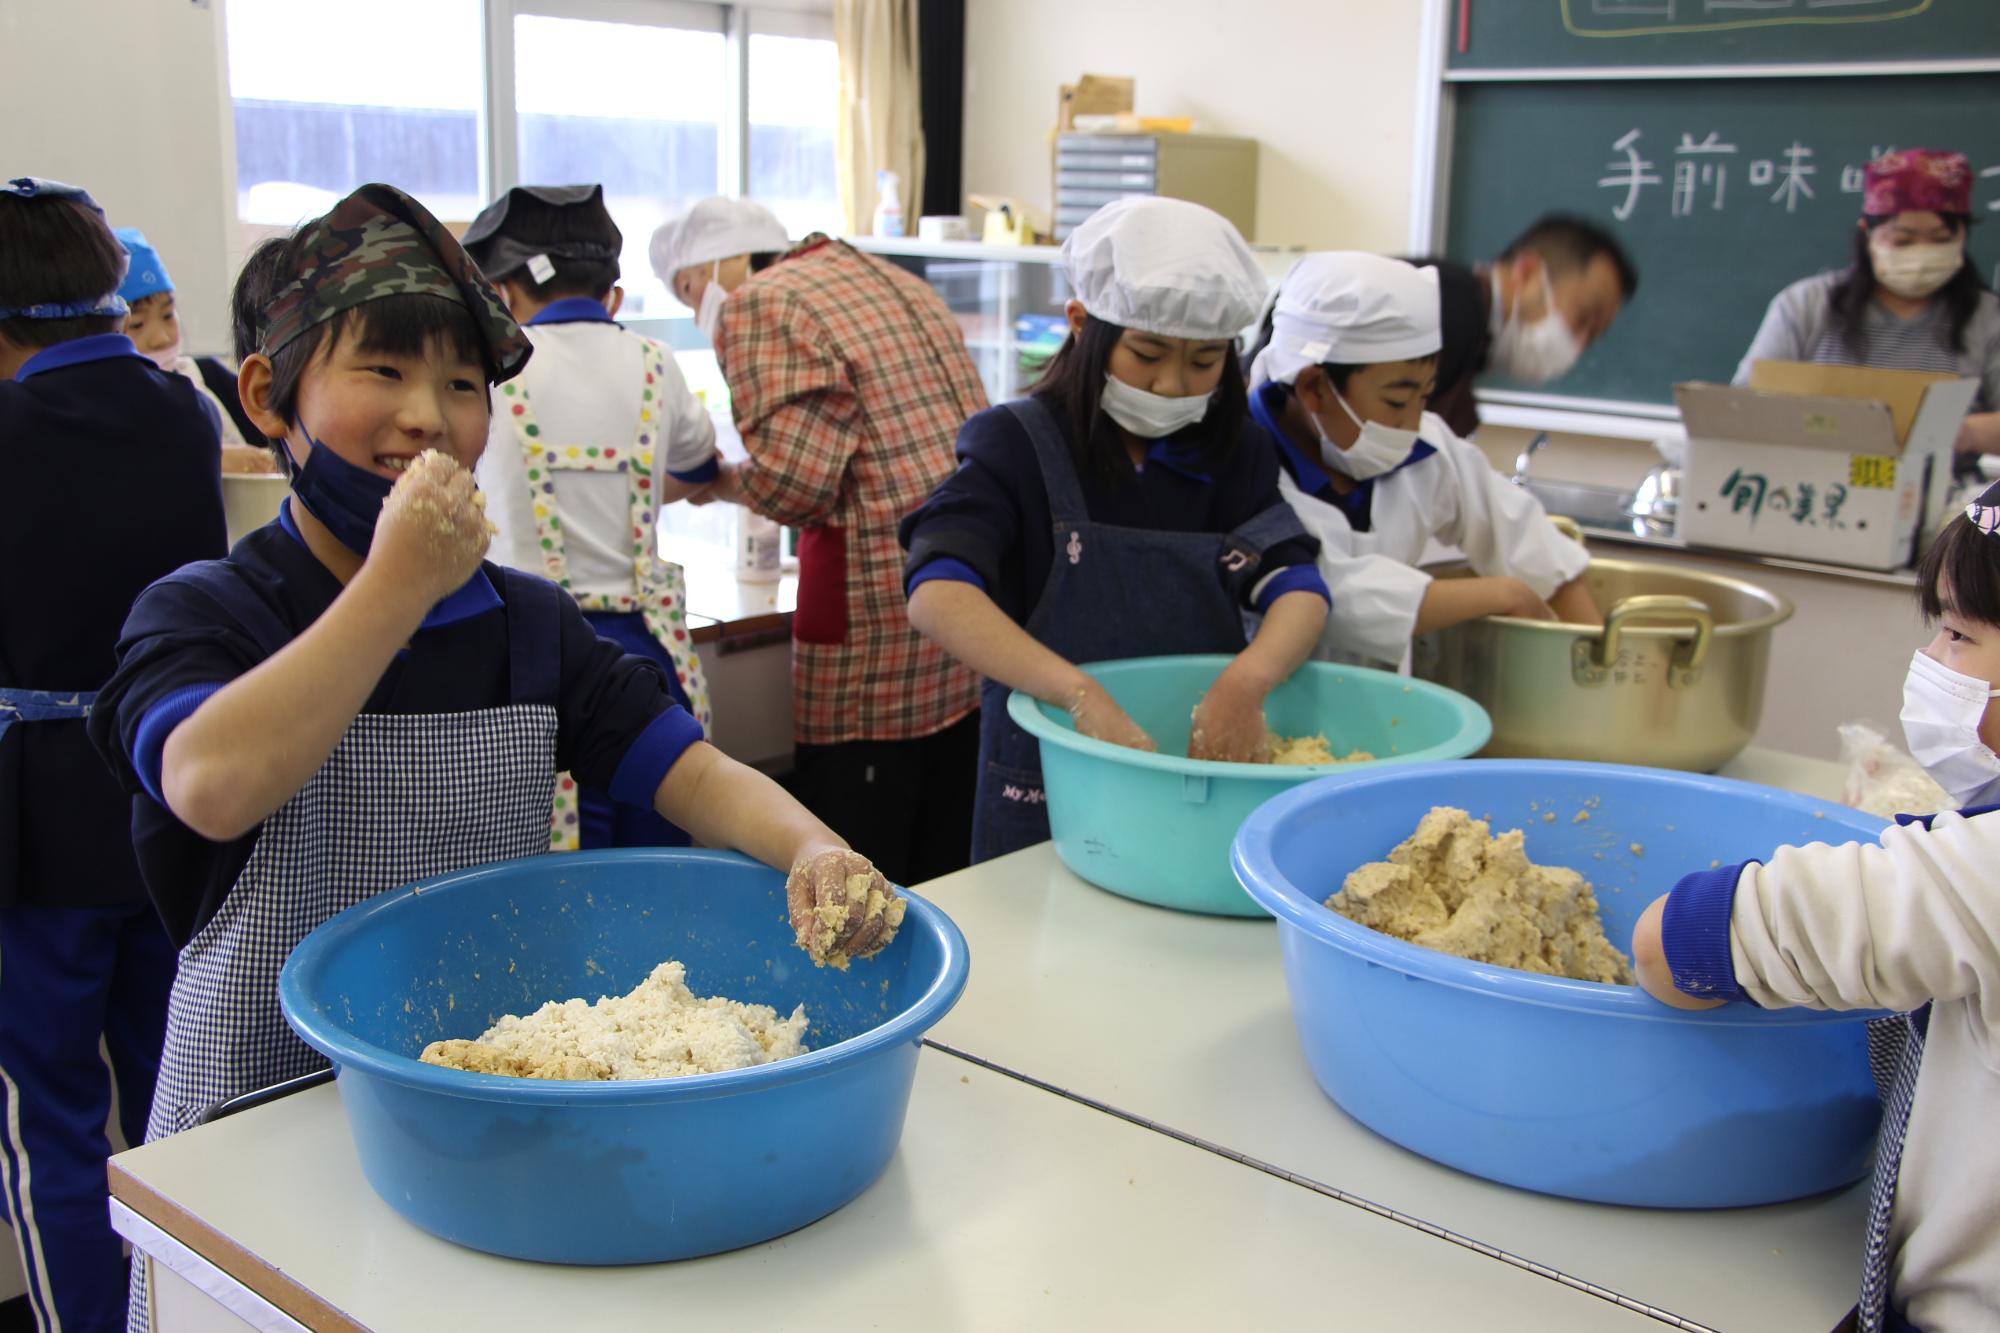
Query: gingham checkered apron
{"points": [[1895, 1046], [402, 797]]}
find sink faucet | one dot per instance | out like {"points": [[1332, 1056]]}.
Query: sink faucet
{"points": [[1527, 454]]}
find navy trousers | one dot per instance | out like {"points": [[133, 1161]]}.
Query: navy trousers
{"points": [[68, 978]]}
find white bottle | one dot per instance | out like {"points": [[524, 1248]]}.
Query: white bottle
{"points": [[888, 204], [758, 542]]}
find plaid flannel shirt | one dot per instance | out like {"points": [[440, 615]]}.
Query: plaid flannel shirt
{"points": [[849, 379]]}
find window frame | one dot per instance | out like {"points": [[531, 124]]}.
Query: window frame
{"points": [[499, 123]]}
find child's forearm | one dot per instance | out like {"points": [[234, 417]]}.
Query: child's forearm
{"points": [[1574, 605], [723, 803], [963, 620], [253, 744], [1449, 602], [1286, 638]]}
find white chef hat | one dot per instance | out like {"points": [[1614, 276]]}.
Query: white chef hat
{"points": [[716, 228], [1164, 266], [1349, 308]]}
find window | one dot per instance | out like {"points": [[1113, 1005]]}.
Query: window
{"points": [[663, 101], [650, 128], [360, 109], [794, 99]]}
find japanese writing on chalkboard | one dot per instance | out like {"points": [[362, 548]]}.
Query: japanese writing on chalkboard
{"points": [[1640, 18], [1802, 502], [1697, 175]]}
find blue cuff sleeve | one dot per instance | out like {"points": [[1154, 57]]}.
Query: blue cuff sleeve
{"points": [[707, 472], [658, 748], [945, 567], [1297, 578], [150, 742], [1695, 933]]}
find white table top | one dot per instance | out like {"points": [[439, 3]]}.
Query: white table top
{"points": [[1184, 1020], [1004, 1207]]}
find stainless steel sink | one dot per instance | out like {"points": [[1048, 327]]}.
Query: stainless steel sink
{"points": [[1591, 506]]}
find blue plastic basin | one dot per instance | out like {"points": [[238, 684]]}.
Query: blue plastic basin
{"points": [[1157, 827], [615, 1172], [1566, 1087]]}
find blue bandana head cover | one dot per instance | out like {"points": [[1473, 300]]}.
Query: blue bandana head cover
{"points": [[148, 274], [111, 304]]}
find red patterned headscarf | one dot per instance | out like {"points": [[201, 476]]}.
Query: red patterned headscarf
{"points": [[1918, 180]]}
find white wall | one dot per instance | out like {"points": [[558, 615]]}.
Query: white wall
{"points": [[1327, 87], [130, 99]]}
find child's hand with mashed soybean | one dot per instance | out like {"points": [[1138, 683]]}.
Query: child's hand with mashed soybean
{"points": [[433, 531]]}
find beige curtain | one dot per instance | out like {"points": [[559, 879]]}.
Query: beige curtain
{"points": [[881, 122]]}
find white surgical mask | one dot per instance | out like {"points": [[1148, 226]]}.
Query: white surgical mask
{"points": [[1533, 353], [1380, 448], [1942, 709], [708, 315], [1913, 272], [1150, 416]]}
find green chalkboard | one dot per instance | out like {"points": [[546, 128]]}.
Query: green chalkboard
{"points": [[1715, 233], [1606, 34]]}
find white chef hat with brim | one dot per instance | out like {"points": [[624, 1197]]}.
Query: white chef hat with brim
{"points": [[1350, 308], [716, 228], [1166, 267]]}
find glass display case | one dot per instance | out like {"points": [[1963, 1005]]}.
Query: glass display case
{"points": [[1008, 300]]}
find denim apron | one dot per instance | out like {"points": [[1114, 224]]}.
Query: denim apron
{"points": [[1112, 592]]}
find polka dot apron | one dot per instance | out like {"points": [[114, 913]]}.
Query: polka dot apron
{"points": [[659, 592]]}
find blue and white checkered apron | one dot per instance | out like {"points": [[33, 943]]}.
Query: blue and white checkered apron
{"points": [[402, 797], [1895, 1052]]}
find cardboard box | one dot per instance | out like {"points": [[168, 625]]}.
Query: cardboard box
{"points": [[1840, 464]]}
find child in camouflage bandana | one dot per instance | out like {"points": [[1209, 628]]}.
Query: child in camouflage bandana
{"points": [[354, 699]]}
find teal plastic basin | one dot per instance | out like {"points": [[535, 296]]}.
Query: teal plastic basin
{"points": [[1157, 827]]}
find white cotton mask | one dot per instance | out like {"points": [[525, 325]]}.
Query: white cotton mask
{"points": [[1914, 272], [708, 316], [1534, 353], [1379, 449], [1942, 709], [1150, 416]]}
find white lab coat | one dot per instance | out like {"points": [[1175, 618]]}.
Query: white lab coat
{"points": [[1453, 498], [587, 381]]}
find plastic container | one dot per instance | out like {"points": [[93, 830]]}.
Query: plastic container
{"points": [[759, 547], [616, 1172], [1157, 827], [1566, 1087], [888, 205]]}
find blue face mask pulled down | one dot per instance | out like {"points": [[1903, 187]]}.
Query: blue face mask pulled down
{"points": [[346, 498]]}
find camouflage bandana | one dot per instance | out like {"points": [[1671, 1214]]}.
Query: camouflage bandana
{"points": [[379, 242]]}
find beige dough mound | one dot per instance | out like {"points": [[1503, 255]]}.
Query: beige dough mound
{"points": [[1311, 750], [1453, 887], [660, 1030]]}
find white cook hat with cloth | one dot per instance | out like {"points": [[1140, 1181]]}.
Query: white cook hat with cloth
{"points": [[716, 228], [1166, 267], [1350, 308]]}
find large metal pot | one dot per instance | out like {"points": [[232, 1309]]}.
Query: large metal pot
{"points": [[1674, 679]]}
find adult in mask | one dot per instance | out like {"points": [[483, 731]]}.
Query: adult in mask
{"points": [[848, 378], [1910, 298], [1528, 315], [1342, 384], [1125, 508]]}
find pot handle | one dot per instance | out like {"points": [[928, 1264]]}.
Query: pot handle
{"points": [[1603, 650], [1568, 527]]}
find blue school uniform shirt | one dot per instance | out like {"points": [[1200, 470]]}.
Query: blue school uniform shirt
{"points": [[988, 524], [618, 728], [113, 479]]}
